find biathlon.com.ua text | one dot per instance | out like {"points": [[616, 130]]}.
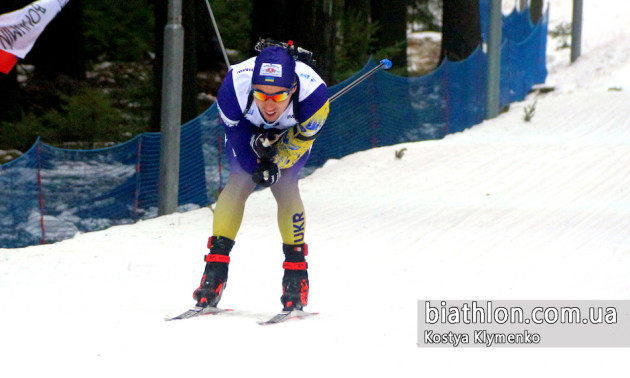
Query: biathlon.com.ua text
{"points": [[509, 323]]}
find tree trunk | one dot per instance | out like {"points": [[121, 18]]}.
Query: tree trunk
{"points": [[317, 33], [391, 17], [535, 10], [308, 23], [189, 79], [209, 54], [272, 19], [160, 12], [354, 44], [522, 5], [461, 29]]}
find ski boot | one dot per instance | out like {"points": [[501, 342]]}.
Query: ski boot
{"points": [[216, 272], [295, 280]]}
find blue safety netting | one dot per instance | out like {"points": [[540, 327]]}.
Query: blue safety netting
{"points": [[50, 194], [516, 26]]}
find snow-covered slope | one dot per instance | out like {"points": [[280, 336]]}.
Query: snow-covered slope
{"points": [[506, 210]]}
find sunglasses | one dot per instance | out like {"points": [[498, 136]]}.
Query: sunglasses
{"points": [[276, 97]]}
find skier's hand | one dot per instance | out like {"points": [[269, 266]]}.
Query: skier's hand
{"points": [[264, 145], [266, 174]]}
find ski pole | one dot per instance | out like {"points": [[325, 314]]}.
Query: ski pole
{"points": [[385, 64], [216, 30]]}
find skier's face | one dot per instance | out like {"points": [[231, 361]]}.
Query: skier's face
{"points": [[272, 100]]}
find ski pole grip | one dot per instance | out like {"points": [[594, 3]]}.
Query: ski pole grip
{"points": [[386, 63]]}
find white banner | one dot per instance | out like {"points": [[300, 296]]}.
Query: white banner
{"points": [[19, 29]]}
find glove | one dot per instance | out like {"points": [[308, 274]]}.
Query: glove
{"points": [[266, 174], [264, 145]]}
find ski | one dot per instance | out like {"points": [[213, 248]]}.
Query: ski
{"points": [[209, 310], [198, 311], [287, 315]]}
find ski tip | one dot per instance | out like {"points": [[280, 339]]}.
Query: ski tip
{"points": [[198, 311], [286, 315]]}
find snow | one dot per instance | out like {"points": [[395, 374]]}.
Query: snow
{"points": [[506, 210]]}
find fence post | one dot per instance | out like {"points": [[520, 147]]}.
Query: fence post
{"points": [[493, 83], [138, 180], [41, 193], [171, 109], [576, 31]]}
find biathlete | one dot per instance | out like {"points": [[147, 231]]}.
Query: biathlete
{"points": [[272, 108]]}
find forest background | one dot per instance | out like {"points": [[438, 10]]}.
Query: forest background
{"points": [[93, 78]]}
